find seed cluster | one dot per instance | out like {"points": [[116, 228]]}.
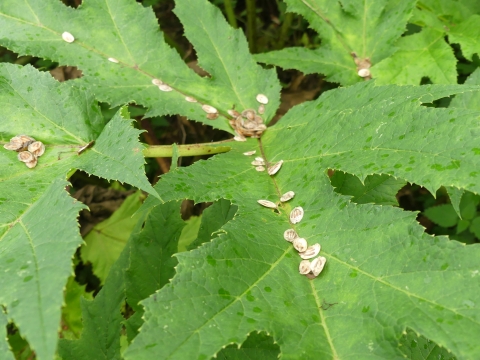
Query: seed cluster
{"points": [[248, 123], [28, 149]]}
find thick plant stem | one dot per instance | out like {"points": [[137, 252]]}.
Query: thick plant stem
{"points": [[187, 150], [251, 28], [232, 20]]}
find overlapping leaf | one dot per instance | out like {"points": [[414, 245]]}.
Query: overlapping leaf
{"points": [[383, 272], [39, 231], [125, 31]]}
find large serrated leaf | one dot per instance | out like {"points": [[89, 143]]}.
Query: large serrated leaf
{"points": [[383, 273]]}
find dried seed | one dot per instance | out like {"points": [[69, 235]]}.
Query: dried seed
{"points": [[363, 73], [317, 265], [25, 156], [249, 153], [31, 164], [260, 168], [261, 109], [249, 114], [262, 99], [36, 148], [311, 252], [165, 87], [296, 215], [212, 116], [259, 158], [305, 267], [85, 147], [290, 235], [157, 82], [258, 163], [287, 196], [239, 137], [113, 60], [272, 170], [300, 244], [190, 99], [12, 146], [209, 109], [233, 113], [19, 142], [66, 36], [267, 204]]}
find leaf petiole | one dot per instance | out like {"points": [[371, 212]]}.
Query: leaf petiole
{"points": [[187, 150]]}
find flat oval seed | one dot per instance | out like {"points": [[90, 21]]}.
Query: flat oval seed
{"points": [[363, 73], [267, 204], [190, 99], [305, 267], [66, 36], [300, 244], [165, 87], [272, 170], [209, 109], [290, 235], [31, 164], [25, 156], [259, 158], [113, 60], [262, 99], [239, 138], [212, 116], [258, 163], [12, 146], [249, 153], [260, 168], [261, 109], [318, 265], [36, 148], [311, 252], [157, 82], [296, 215], [233, 113], [287, 196]]}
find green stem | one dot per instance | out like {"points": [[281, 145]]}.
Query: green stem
{"points": [[230, 13], [287, 23], [251, 27], [187, 150]]}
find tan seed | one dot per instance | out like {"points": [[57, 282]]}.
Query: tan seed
{"points": [[209, 109], [239, 137], [165, 87], [249, 114], [259, 158], [318, 265], [260, 168], [305, 267], [212, 116], [363, 73], [66, 36], [157, 82], [287, 196], [12, 146], [300, 244], [267, 204], [25, 156], [233, 113], [296, 215], [113, 60], [250, 153], [31, 164], [290, 235], [190, 99], [272, 170], [262, 99], [258, 163], [311, 252], [261, 109], [36, 148]]}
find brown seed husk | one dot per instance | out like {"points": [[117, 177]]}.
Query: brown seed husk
{"points": [[287, 196], [272, 170], [311, 252], [249, 153], [296, 215], [300, 244], [25, 156], [209, 109], [317, 265], [36, 148], [260, 168], [267, 204], [304, 267], [262, 99], [290, 235], [212, 116], [31, 164]]}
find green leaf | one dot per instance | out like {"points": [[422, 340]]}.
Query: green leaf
{"points": [[4, 348], [443, 215], [462, 225], [455, 195], [104, 30], [467, 34], [71, 312], [419, 55], [368, 29], [383, 273], [189, 232], [468, 100], [105, 242], [475, 227], [416, 347], [376, 189], [257, 346], [468, 205]]}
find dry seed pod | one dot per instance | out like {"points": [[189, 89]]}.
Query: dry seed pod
{"points": [[311, 252], [249, 153], [300, 244], [260, 168], [296, 215], [31, 164], [261, 109], [258, 163], [66, 36], [287, 196], [267, 204], [113, 60], [12, 146], [272, 170], [212, 116], [233, 113], [209, 109], [249, 114], [363, 73], [262, 99], [36, 148], [25, 156], [165, 87], [290, 235], [317, 265], [239, 138], [157, 82], [190, 99], [305, 267]]}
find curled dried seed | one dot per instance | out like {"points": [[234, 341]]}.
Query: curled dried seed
{"points": [[249, 114], [259, 158], [157, 82], [85, 147], [113, 60], [287, 196], [272, 170], [233, 113], [290, 235], [36, 148], [262, 99], [165, 87], [26, 156], [300, 244], [239, 137], [249, 153], [190, 99], [305, 267], [296, 215], [317, 265], [363, 73], [212, 116], [209, 109], [31, 164], [261, 109], [258, 163], [267, 204], [12, 146], [66, 36], [311, 252], [260, 168]]}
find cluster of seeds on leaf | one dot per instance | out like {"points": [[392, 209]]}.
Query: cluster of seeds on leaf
{"points": [[28, 149], [69, 38], [363, 66], [248, 123]]}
